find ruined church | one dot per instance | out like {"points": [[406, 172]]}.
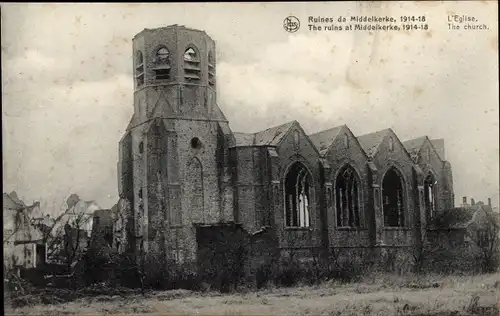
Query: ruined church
{"points": [[181, 166]]}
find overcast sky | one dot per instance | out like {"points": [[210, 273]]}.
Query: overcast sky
{"points": [[67, 84]]}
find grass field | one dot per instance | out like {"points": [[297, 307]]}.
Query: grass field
{"points": [[376, 295]]}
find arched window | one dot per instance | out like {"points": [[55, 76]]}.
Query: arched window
{"points": [[139, 68], [347, 192], [296, 139], [391, 144], [393, 201], [190, 55], [211, 61], [211, 69], [346, 141], [297, 196], [162, 64], [191, 65], [155, 200], [162, 55], [194, 190], [139, 58], [430, 196]]}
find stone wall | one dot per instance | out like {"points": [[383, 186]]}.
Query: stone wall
{"points": [[399, 159], [348, 152]]}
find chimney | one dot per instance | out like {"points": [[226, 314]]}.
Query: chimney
{"points": [[489, 202], [464, 200], [472, 202]]}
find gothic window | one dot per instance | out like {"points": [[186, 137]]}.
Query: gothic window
{"points": [[139, 68], [346, 141], [430, 196], [391, 144], [141, 147], [393, 201], [194, 190], [297, 196], [162, 64], [139, 60], [296, 139], [190, 54], [154, 198], [191, 65], [347, 191], [428, 152], [162, 55], [211, 69]]}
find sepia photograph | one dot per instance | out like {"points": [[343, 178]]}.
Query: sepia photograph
{"points": [[252, 158]]}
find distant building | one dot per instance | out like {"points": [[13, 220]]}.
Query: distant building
{"points": [[23, 242], [81, 215]]}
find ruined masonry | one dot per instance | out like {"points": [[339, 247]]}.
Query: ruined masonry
{"points": [[181, 167]]}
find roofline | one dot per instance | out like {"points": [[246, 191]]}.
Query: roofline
{"points": [[404, 148], [340, 127], [176, 118], [425, 137], [385, 129], [173, 26], [292, 123], [434, 148], [252, 146], [329, 129], [295, 122]]}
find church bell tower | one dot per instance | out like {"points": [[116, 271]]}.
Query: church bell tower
{"points": [[173, 157]]}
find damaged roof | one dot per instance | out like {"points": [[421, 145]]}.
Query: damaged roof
{"points": [[324, 139], [413, 146], [269, 137], [272, 136], [243, 139], [371, 142], [12, 202]]}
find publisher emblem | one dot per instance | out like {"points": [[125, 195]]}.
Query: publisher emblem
{"points": [[291, 24]]}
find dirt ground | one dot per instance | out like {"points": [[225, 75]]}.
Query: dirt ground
{"points": [[375, 295]]}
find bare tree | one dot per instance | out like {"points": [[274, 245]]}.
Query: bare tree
{"points": [[64, 236], [75, 239]]}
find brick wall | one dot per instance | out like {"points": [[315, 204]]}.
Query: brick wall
{"points": [[306, 154], [341, 154], [398, 158], [430, 162], [172, 185]]}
